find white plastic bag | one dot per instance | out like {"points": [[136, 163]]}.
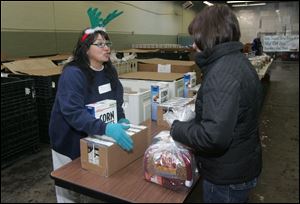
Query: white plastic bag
{"points": [[185, 113]]}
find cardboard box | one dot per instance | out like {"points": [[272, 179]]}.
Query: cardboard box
{"points": [[105, 110], [159, 94], [189, 81], [146, 79], [34, 67], [192, 92], [177, 66], [168, 106], [105, 157], [137, 50], [153, 76]]}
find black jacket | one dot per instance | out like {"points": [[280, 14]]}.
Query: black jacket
{"points": [[225, 133]]}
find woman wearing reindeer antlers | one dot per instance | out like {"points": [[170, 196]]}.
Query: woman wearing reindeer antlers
{"points": [[88, 78]]}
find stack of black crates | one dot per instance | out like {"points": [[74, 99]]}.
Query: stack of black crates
{"points": [[45, 91], [46, 87], [19, 121]]}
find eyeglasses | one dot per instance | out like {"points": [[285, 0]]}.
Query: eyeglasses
{"points": [[103, 44]]}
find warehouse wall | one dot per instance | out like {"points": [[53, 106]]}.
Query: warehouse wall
{"points": [[41, 28], [265, 19]]}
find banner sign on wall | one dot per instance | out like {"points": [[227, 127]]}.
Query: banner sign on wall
{"points": [[280, 43]]}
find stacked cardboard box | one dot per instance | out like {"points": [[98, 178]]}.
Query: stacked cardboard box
{"points": [[101, 155], [168, 106], [176, 66]]}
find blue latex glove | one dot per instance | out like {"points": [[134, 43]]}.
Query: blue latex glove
{"points": [[117, 132], [124, 122]]}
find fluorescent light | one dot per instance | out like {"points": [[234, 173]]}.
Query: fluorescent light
{"points": [[232, 2], [244, 5], [208, 3]]}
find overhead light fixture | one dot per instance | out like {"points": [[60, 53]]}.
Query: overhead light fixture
{"points": [[187, 4], [244, 5], [233, 2], [208, 3]]}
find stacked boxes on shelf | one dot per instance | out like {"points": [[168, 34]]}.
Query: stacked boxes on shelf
{"points": [[175, 66], [144, 80], [19, 122]]}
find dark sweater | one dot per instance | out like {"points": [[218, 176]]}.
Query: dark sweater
{"points": [[70, 121], [225, 133]]}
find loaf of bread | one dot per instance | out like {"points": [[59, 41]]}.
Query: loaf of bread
{"points": [[169, 164]]}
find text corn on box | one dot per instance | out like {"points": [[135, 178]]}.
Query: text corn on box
{"points": [[105, 110]]}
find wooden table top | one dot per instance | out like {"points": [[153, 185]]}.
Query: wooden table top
{"points": [[127, 184]]}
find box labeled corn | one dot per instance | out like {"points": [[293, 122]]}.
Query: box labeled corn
{"points": [[105, 110]]}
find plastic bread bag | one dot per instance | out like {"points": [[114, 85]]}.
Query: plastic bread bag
{"points": [[169, 164], [185, 113], [165, 137]]}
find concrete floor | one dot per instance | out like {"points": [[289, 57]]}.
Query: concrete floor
{"points": [[28, 180]]}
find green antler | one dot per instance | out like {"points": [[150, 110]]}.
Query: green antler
{"points": [[111, 16], [94, 15], [95, 19]]}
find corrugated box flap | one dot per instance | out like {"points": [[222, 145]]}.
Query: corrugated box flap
{"points": [[139, 50], [154, 76], [35, 67], [60, 57], [163, 61]]}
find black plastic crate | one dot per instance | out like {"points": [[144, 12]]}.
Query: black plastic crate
{"points": [[44, 114], [17, 98], [45, 86], [18, 137], [12, 87], [17, 152], [18, 107], [15, 130], [15, 145], [25, 128]]}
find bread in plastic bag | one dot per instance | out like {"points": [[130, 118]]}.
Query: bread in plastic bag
{"points": [[169, 164]]}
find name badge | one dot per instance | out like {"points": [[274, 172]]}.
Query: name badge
{"points": [[104, 88]]}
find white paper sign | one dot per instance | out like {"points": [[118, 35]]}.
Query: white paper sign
{"points": [[164, 68]]}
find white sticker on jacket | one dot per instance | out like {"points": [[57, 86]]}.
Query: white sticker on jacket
{"points": [[104, 88]]}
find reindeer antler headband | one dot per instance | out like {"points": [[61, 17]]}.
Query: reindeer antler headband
{"points": [[98, 23]]}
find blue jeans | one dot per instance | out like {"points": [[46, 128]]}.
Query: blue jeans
{"points": [[233, 193]]}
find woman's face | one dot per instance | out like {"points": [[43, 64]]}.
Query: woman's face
{"points": [[99, 51]]}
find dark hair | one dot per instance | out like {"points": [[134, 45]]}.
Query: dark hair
{"points": [[81, 60], [214, 25]]}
